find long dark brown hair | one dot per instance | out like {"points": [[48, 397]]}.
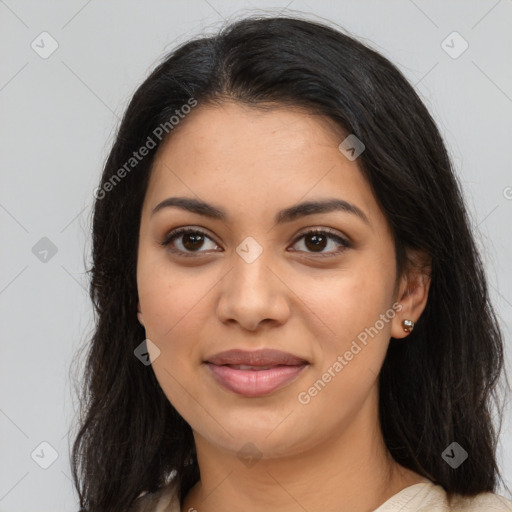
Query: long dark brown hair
{"points": [[437, 388]]}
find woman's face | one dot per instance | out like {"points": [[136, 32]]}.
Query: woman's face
{"points": [[256, 280]]}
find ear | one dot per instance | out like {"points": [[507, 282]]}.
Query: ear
{"points": [[412, 291], [139, 314]]}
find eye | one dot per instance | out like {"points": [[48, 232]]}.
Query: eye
{"points": [[318, 239], [190, 241]]}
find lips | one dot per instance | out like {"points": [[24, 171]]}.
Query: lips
{"points": [[248, 367], [255, 373], [259, 358]]}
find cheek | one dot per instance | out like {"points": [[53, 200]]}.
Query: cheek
{"points": [[176, 305], [170, 297], [354, 307], [173, 315], [348, 303], [351, 358]]}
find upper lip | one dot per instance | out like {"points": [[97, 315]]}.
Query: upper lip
{"points": [[262, 357]]}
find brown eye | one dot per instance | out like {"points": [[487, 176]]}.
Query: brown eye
{"points": [[185, 240], [192, 241], [317, 240]]}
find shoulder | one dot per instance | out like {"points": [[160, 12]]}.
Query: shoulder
{"points": [[163, 500], [429, 497], [487, 501]]}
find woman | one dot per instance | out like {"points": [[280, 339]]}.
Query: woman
{"points": [[291, 310]]}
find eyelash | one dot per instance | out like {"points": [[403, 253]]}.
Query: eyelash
{"points": [[330, 234]]}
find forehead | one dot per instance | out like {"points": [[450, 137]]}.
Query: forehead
{"points": [[251, 160], [233, 131]]}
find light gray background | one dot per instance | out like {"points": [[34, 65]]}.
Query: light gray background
{"points": [[58, 117]]}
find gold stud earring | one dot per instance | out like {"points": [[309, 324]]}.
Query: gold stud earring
{"points": [[408, 325]]}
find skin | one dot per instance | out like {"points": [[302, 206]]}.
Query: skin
{"points": [[328, 454]]}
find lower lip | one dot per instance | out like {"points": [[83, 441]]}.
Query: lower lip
{"points": [[255, 382]]}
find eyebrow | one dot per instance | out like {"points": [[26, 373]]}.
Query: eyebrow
{"points": [[287, 215]]}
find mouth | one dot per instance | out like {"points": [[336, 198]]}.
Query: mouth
{"points": [[255, 373], [256, 358]]}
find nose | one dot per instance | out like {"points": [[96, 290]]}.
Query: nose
{"points": [[252, 293]]}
